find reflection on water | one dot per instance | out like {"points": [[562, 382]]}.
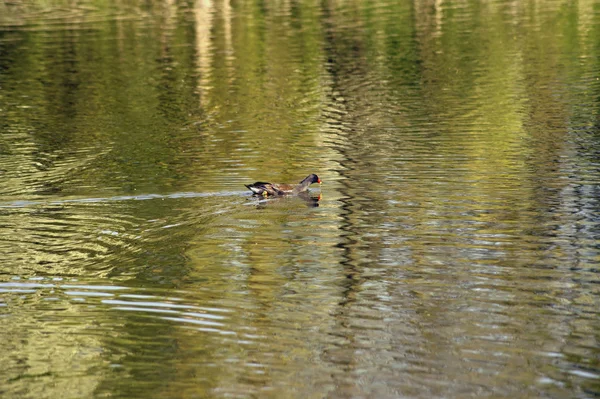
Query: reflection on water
{"points": [[452, 251]]}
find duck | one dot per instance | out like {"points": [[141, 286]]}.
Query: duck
{"points": [[277, 189]]}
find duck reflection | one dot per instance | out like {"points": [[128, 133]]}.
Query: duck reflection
{"points": [[310, 199]]}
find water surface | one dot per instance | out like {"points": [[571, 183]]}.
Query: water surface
{"points": [[453, 250]]}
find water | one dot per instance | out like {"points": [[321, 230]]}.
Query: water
{"points": [[452, 251]]}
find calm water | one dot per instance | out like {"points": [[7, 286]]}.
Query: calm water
{"points": [[453, 250]]}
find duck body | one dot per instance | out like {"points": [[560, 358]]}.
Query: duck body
{"points": [[275, 189]]}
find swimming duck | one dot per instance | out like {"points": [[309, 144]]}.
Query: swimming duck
{"points": [[266, 189]]}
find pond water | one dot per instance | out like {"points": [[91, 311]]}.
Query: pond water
{"points": [[452, 251]]}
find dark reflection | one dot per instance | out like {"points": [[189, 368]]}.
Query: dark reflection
{"points": [[311, 200]]}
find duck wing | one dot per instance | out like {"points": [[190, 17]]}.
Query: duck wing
{"points": [[264, 188]]}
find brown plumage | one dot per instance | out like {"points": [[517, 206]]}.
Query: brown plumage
{"points": [[266, 189]]}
